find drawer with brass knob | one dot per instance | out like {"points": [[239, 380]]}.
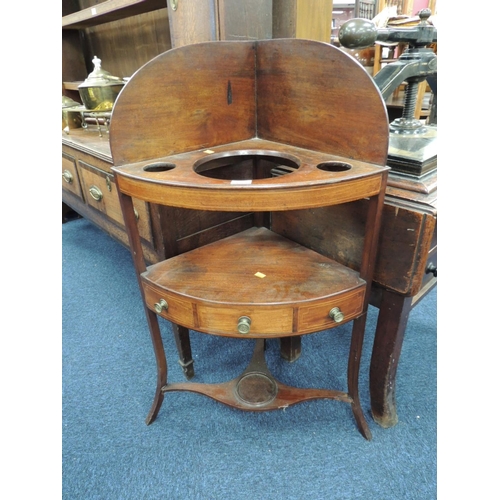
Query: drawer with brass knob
{"points": [[336, 310], [100, 192], [244, 323], [168, 305], [70, 179]]}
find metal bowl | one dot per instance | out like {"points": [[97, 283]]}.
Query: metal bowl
{"points": [[100, 90], [100, 98]]}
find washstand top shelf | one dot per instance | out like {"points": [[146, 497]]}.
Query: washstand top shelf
{"points": [[272, 125], [250, 125], [254, 175]]}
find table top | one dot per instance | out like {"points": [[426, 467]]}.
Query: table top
{"points": [[192, 179]]}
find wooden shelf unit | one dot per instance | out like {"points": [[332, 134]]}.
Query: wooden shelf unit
{"points": [[90, 29]]}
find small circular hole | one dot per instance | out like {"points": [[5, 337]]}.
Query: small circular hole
{"points": [[334, 166], [159, 167]]}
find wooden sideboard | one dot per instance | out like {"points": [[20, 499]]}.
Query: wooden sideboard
{"points": [[406, 259], [409, 252]]}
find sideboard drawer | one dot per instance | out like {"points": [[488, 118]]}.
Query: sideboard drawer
{"points": [[70, 179], [431, 263], [100, 192]]}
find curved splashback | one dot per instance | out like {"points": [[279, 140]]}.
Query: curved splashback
{"points": [[299, 92]]}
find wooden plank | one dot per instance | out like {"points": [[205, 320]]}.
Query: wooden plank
{"points": [[249, 20], [314, 20], [305, 86], [302, 19], [406, 237], [185, 99], [126, 45], [193, 21], [111, 10]]}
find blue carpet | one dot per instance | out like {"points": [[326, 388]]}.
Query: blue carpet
{"points": [[200, 449]]}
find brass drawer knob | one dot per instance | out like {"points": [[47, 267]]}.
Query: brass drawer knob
{"points": [[244, 324], [67, 176], [336, 314], [96, 193], [161, 306]]}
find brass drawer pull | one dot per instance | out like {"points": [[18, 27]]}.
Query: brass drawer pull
{"points": [[336, 314], [161, 306], [244, 325], [96, 193], [67, 176]]}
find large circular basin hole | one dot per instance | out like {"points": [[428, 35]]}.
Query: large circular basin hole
{"points": [[159, 167], [334, 166], [246, 165]]}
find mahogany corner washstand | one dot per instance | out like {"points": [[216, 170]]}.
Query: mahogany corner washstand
{"points": [[259, 127]]}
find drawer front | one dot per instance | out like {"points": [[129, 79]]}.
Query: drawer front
{"points": [[431, 263], [100, 192], [70, 179], [265, 320], [430, 267], [316, 317], [268, 321], [179, 311]]}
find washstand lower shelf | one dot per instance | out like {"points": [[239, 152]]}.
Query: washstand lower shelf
{"points": [[254, 284], [257, 284]]}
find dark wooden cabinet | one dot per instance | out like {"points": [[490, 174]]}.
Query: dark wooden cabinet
{"points": [[89, 188]]}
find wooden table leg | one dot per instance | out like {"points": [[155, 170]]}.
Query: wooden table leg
{"points": [[161, 364], [291, 348], [183, 343], [68, 213], [391, 326]]}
